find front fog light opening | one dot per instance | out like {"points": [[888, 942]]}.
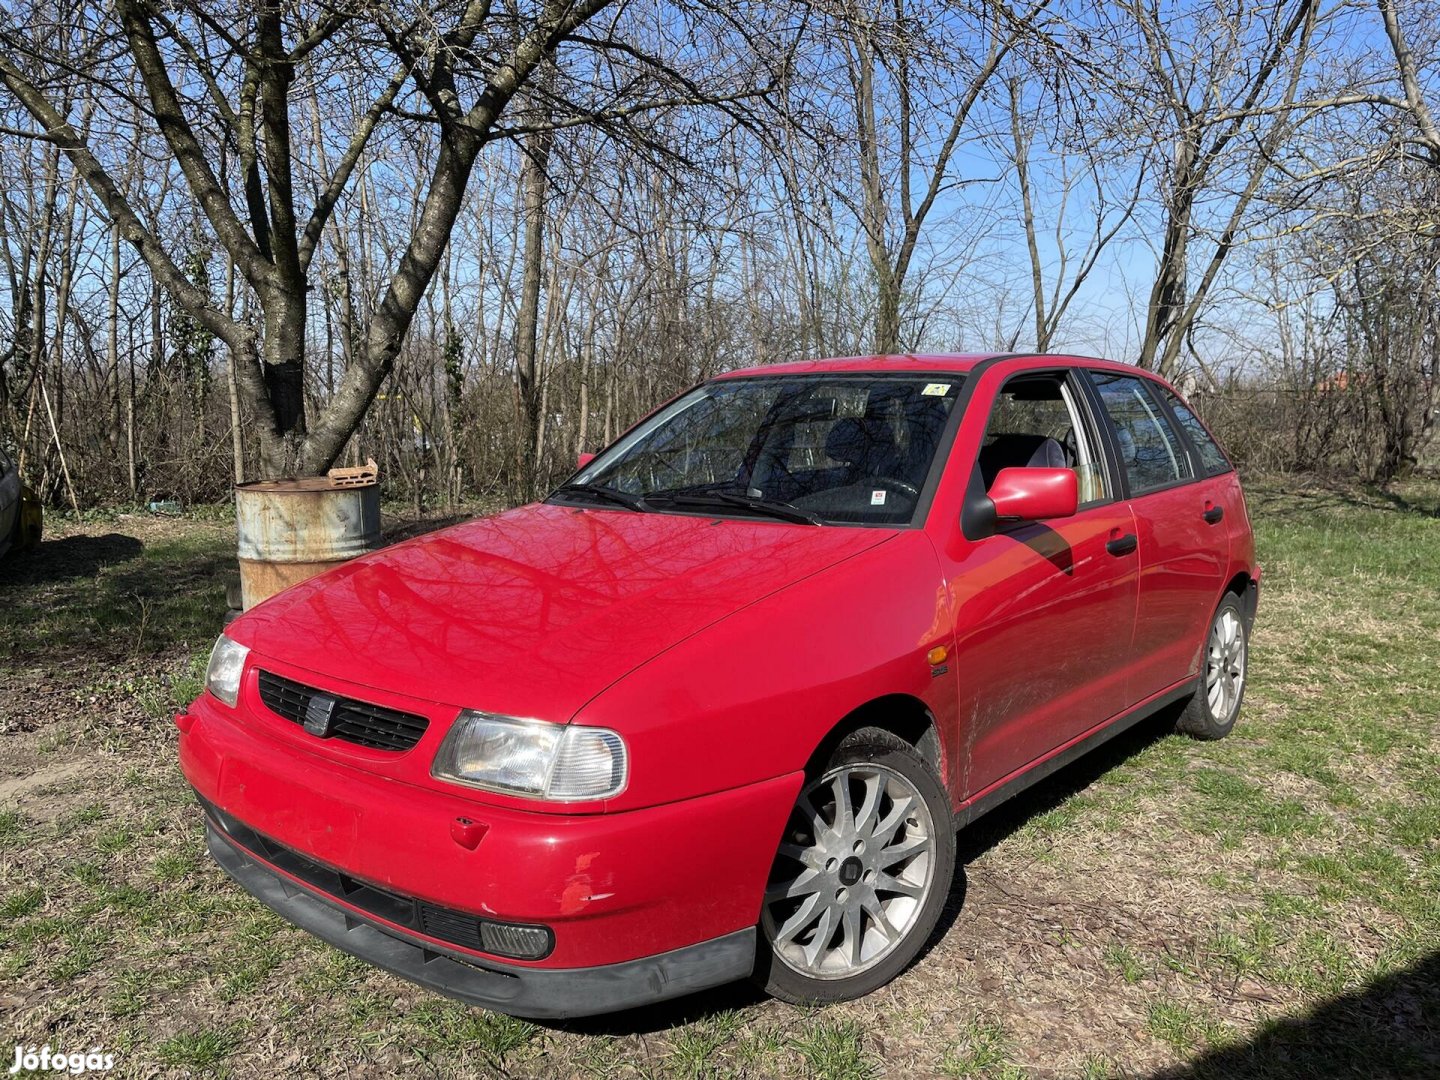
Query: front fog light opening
{"points": [[516, 941]]}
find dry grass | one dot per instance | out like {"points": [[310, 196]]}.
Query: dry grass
{"points": [[1263, 906]]}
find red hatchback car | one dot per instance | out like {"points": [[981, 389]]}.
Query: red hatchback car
{"points": [[717, 707]]}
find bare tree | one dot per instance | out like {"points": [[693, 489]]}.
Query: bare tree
{"points": [[1220, 123], [1427, 136], [1076, 253], [454, 65], [911, 96]]}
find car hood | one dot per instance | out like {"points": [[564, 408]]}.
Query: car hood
{"points": [[535, 611]]}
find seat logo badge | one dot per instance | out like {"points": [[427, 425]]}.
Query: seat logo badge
{"points": [[320, 715]]}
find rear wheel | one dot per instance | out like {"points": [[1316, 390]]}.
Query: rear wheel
{"points": [[861, 876], [1211, 712]]}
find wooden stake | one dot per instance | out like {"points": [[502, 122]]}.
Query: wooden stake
{"points": [[65, 469]]}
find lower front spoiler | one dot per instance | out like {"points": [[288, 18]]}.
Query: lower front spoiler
{"points": [[540, 993]]}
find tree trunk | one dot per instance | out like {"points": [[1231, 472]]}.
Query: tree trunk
{"points": [[232, 380], [887, 312], [283, 351], [534, 185], [112, 335]]}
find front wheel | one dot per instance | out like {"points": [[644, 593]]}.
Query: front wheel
{"points": [[862, 873], [1211, 712]]}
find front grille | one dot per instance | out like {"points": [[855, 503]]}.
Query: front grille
{"points": [[421, 916], [356, 722]]}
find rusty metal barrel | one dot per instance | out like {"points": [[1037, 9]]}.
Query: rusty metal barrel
{"points": [[291, 530]]}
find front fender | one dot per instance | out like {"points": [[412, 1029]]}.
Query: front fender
{"points": [[753, 696]]}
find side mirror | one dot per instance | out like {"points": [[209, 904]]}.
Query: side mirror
{"points": [[581, 460], [1033, 494]]}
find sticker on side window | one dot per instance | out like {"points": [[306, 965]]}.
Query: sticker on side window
{"points": [[877, 498], [936, 389]]}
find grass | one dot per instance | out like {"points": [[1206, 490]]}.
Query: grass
{"points": [[1268, 905], [834, 1050], [981, 1051], [202, 1051]]}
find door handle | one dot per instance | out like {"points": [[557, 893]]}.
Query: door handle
{"points": [[1213, 515], [1122, 545]]}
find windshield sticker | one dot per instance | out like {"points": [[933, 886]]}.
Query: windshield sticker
{"points": [[877, 498], [936, 389]]}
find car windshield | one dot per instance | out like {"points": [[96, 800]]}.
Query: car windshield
{"points": [[852, 449]]}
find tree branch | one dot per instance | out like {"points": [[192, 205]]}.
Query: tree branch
{"points": [[186, 147]]}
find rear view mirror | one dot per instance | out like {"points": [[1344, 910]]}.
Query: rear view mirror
{"points": [[583, 459], [1033, 494]]}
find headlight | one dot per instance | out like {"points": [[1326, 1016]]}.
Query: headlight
{"points": [[533, 758], [227, 661]]}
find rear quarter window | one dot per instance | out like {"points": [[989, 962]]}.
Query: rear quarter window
{"points": [[1213, 461], [1149, 446]]}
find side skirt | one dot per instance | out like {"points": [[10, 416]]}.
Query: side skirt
{"points": [[1033, 774]]}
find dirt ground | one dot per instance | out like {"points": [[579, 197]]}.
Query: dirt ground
{"points": [[1264, 906]]}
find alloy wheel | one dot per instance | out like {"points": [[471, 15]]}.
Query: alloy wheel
{"points": [[1225, 665], [853, 872]]}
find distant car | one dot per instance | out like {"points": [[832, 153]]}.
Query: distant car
{"points": [[20, 515], [717, 707]]}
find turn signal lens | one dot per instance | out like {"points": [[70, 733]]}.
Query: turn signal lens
{"points": [[590, 765]]}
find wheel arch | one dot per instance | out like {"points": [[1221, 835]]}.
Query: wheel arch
{"points": [[902, 715], [1247, 589]]}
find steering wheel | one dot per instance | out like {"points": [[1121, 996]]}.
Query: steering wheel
{"points": [[902, 486]]}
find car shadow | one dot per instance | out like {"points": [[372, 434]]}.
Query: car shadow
{"points": [[978, 838], [67, 558], [1056, 789], [663, 1015], [1390, 1027], [973, 842]]}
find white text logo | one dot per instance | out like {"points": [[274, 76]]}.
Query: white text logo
{"points": [[42, 1059]]}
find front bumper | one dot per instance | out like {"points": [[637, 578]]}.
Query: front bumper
{"points": [[611, 887], [542, 993]]}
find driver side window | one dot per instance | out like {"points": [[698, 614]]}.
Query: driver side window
{"points": [[1035, 423]]}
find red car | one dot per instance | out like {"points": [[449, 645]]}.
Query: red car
{"points": [[717, 707]]}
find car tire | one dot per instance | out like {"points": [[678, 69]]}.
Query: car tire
{"points": [[1224, 663], [853, 897]]}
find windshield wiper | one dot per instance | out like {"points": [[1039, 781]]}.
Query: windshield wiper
{"points": [[605, 494], [771, 507]]}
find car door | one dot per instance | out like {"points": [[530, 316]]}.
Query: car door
{"points": [[1044, 611], [1184, 549]]}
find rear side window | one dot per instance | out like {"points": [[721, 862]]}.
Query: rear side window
{"points": [[1150, 449], [1212, 458]]}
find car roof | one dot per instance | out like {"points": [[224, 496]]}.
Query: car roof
{"points": [[918, 362]]}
